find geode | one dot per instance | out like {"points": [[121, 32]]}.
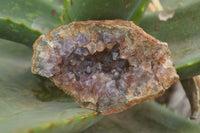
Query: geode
{"points": [[107, 66]]}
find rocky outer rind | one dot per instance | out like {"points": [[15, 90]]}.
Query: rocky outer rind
{"points": [[107, 66]]}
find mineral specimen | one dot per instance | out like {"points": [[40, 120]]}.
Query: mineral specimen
{"points": [[107, 66]]}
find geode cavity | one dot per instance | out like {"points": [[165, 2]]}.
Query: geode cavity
{"points": [[107, 66]]}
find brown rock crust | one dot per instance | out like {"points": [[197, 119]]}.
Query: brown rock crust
{"points": [[107, 66]]}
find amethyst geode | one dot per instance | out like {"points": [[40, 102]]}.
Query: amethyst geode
{"points": [[107, 66]]}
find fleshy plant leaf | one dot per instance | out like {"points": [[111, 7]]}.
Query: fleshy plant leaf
{"points": [[148, 117], [78, 10], [23, 21]]}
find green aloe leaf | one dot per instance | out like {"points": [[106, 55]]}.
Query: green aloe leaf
{"points": [[182, 34], [58, 2], [22, 21], [78, 10], [17, 32], [31, 104], [139, 11], [148, 117], [173, 4]]}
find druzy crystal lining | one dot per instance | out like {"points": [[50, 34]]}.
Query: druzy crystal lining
{"points": [[107, 66]]}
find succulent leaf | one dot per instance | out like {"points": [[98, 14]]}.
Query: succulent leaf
{"points": [[78, 10], [139, 11], [19, 19], [174, 4], [148, 117], [17, 32]]}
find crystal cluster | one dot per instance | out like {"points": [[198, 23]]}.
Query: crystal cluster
{"points": [[107, 66]]}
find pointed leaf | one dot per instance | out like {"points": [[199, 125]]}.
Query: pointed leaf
{"points": [[17, 32], [148, 117], [140, 9], [78, 10], [19, 19], [173, 4]]}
